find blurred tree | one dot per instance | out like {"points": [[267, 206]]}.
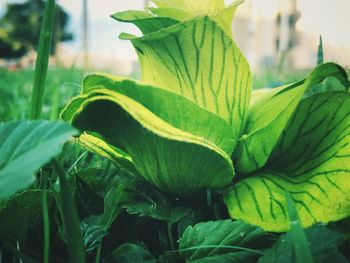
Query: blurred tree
{"points": [[20, 28], [9, 47]]}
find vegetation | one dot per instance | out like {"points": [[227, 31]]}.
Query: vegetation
{"points": [[16, 89], [189, 165]]}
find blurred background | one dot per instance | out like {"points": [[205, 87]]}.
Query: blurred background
{"points": [[279, 38], [271, 33]]}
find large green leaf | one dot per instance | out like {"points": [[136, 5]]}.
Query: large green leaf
{"points": [[220, 241], [311, 160], [16, 214], [169, 107], [271, 110], [198, 60], [26, 146], [158, 130]]}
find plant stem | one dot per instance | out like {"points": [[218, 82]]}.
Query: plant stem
{"points": [[42, 61], [41, 67], [170, 235], [98, 253], [46, 221], [70, 219]]}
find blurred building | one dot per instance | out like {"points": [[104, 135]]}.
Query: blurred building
{"points": [[268, 32], [275, 41]]}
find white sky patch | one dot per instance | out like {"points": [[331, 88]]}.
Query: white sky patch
{"points": [[331, 19]]}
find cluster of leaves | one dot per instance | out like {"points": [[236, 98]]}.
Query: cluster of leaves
{"points": [[125, 219], [174, 157], [193, 124]]}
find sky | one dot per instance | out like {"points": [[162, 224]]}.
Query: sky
{"points": [[331, 19]]}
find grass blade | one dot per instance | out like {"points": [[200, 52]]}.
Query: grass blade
{"points": [[46, 220], [320, 53], [41, 67], [297, 235], [70, 219], [42, 61]]}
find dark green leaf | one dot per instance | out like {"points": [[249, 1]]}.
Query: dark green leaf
{"points": [[112, 204], [145, 200], [91, 201], [191, 219], [323, 242], [130, 253], [220, 241], [16, 214], [93, 234]]}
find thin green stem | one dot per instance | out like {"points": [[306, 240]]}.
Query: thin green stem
{"points": [[70, 219], [19, 250], [58, 201], [46, 221], [42, 61], [98, 253], [171, 238]]}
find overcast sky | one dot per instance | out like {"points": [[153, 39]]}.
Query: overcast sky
{"points": [[330, 18]]}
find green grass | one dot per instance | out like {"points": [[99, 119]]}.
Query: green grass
{"points": [[16, 89], [63, 84]]}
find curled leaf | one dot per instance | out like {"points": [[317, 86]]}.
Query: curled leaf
{"points": [[311, 160], [157, 130]]}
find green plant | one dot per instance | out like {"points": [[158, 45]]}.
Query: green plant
{"points": [[190, 146], [193, 125], [20, 142]]}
